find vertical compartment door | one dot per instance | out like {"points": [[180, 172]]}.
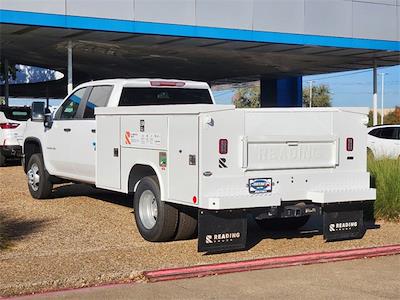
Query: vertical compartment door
{"points": [[108, 152]]}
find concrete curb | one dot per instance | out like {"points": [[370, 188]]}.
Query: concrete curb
{"points": [[269, 263]]}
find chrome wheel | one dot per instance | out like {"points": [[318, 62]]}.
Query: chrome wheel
{"points": [[148, 209], [34, 177]]}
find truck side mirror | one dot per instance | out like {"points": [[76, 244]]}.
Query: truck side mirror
{"points": [[48, 120], [38, 111]]}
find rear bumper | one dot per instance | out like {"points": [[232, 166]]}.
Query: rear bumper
{"points": [[276, 200], [11, 151]]}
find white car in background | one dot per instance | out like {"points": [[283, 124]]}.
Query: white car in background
{"points": [[384, 141], [12, 125]]}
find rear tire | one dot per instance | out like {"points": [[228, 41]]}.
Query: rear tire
{"points": [[187, 224], [283, 223], [2, 160], [39, 182], [156, 220]]}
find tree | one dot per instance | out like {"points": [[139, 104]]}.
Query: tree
{"points": [[248, 97], [371, 118], [12, 72], [390, 118], [321, 96], [393, 117]]}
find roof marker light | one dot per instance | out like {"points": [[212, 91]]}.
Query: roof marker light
{"points": [[167, 83]]}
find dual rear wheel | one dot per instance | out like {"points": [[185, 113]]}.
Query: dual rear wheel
{"points": [[159, 221]]}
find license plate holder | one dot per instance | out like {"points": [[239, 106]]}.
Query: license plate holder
{"points": [[260, 185]]}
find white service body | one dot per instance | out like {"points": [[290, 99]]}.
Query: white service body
{"points": [[302, 150]]}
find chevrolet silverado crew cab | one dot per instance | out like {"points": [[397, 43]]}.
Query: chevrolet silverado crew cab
{"points": [[12, 126], [194, 167]]}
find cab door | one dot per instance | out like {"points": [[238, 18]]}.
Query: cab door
{"points": [[83, 154], [60, 139]]}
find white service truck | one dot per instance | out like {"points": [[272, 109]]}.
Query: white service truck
{"points": [[196, 167]]}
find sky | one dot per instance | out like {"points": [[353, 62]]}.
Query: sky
{"points": [[352, 88]]}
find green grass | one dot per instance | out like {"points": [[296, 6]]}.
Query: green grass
{"points": [[386, 175]]}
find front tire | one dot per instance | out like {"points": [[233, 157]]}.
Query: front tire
{"points": [[283, 223], [39, 182], [156, 220]]}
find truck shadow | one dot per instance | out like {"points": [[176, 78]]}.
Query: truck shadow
{"points": [[14, 229], [313, 228], [84, 190], [255, 234]]}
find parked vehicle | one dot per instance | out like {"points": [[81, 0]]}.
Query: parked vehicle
{"points": [[192, 164], [12, 126], [384, 141]]}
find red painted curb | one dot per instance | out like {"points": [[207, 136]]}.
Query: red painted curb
{"points": [[269, 263]]}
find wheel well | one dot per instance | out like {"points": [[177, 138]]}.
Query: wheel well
{"points": [[138, 172], [31, 146]]}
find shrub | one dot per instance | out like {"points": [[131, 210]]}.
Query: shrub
{"points": [[386, 174]]}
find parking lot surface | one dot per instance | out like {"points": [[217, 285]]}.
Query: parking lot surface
{"points": [[355, 279], [86, 237]]}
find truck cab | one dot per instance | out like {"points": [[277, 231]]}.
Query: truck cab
{"points": [[68, 146]]}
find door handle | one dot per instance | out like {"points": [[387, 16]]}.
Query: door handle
{"points": [[67, 129], [93, 130]]}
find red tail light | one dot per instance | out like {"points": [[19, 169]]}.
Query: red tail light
{"points": [[8, 125], [167, 83], [349, 144], [223, 146]]}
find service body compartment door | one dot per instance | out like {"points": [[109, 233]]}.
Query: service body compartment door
{"points": [[289, 152], [183, 158], [108, 152]]}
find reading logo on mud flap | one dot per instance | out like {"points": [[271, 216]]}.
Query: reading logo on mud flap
{"points": [[222, 237], [344, 226]]}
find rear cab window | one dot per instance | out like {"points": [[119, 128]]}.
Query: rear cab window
{"points": [[98, 97], [139, 96]]}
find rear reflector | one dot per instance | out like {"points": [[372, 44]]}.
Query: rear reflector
{"points": [[167, 83], [8, 125], [223, 146], [349, 144]]}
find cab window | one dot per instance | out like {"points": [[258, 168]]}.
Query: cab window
{"points": [[388, 133], [69, 108], [163, 96], [98, 98], [375, 132]]}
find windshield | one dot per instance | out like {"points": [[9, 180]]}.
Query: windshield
{"points": [[16, 113], [163, 96]]}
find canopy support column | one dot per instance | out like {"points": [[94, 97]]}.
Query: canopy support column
{"points": [[70, 80]]}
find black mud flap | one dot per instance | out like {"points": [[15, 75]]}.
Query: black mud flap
{"points": [[343, 221], [220, 231]]}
